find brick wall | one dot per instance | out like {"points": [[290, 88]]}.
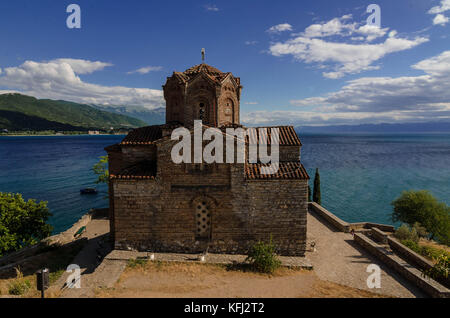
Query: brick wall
{"points": [[159, 215]]}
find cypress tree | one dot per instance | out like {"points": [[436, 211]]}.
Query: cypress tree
{"points": [[309, 194], [316, 194]]}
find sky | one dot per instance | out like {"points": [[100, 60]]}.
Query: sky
{"points": [[300, 62]]}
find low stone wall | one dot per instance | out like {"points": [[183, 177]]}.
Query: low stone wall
{"points": [[330, 217], [379, 235], [345, 226], [69, 235], [430, 286], [382, 227], [411, 256]]}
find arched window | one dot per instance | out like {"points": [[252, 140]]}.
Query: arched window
{"points": [[229, 111]]}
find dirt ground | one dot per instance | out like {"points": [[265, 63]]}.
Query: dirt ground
{"points": [[155, 280]]}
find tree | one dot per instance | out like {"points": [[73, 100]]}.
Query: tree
{"points": [[22, 223], [101, 170], [316, 195], [309, 194], [422, 207]]}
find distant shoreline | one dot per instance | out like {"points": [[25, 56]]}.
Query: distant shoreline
{"points": [[57, 135]]}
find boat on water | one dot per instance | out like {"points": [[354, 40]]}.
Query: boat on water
{"points": [[88, 191]]}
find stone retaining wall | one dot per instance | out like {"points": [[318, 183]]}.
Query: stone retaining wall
{"points": [[379, 235], [430, 286], [345, 226], [411, 256], [330, 217]]}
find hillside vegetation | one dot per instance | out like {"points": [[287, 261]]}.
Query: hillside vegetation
{"points": [[20, 112]]}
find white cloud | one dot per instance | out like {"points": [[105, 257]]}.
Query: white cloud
{"points": [[146, 70], [58, 79], [336, 26], [375, 100], [372, 32], [251, 42], [445, 6], [211, 7], [345, 58], [440, 19], [280, 28], [436, 66], [251, 103], [83, 66]]}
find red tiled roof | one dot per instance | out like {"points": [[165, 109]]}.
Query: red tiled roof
{"points": [[148, 135], [143, 136], [213, 73], [286, 170], [287, 135], [142, 170], [203, 68]]}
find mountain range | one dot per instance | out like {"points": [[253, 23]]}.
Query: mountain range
{"points": [[150, 116], [428, 127], [21, 112]]}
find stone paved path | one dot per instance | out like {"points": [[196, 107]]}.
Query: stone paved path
{"points": [[338, 259], [95, 271]]}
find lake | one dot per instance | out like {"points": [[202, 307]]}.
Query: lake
{"points": [[360, 174]]}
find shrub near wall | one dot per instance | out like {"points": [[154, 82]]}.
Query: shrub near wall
{"points": [[262, 257]]}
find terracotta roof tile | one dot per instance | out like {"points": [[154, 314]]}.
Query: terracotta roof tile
{"points": [[148, 135], [287, 135], [203, 68], [143, 136], [142, 170], [286, 171]]}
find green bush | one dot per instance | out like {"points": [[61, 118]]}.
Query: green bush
{"points": [[20, 285], [422, 207], [404, 232], [441, 269], [421, 231], [426, 251], [262, 257], [22, 223], [412, 245]]}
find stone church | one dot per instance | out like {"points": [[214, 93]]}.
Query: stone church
{"points": [[160, 206]]}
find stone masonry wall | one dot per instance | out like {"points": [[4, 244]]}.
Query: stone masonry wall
{"points": [[159, 215]]}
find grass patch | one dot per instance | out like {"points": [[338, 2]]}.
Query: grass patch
{"points": [[427, 251], [56, 258], [20, 285], [135, 263]]}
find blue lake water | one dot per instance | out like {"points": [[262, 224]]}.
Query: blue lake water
{"points": [[360, 174]]}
